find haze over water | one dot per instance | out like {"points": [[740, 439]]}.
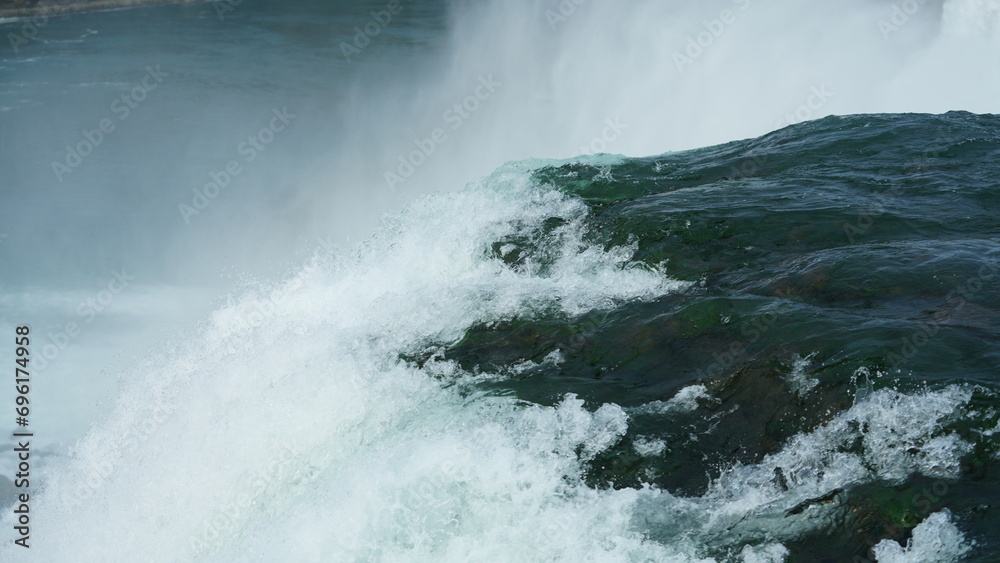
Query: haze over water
{"points": [[441, 382]]}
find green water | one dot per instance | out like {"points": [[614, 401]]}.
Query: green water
{"points": [[858, 252]]}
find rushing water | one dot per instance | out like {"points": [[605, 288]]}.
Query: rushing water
{"points": [[782, 348]]}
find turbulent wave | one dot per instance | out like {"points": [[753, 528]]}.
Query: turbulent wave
{"points": [[782, 348], [623, 78], [541, 367]]}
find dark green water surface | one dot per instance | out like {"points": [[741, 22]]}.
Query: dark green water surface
{"points": [[863, 251]]}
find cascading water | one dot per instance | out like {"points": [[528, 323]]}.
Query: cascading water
{"points": [[776, 349]]}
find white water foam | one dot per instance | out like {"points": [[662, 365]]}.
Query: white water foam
{"points": [[935, 540], [291, 412], [771, 553], [887, 436], [797, 379], [354, 455], [648, 447], [288, 429], [685, 401]]}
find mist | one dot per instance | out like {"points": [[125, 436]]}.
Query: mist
{"points": [[365, 107], [168, 170], [566, 78], [577, 78]]}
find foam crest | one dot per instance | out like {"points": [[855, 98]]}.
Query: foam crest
{"points": [[292, 429], [310, 370], [886, 436], [935, 540], [685, 401]]}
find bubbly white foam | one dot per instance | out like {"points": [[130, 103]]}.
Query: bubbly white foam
{"points": [[884, 437], [770, 553], [290, 412], [648, 447], [897, 434], [686, 400], [798, 380], [288, 428], [935, 540]]}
